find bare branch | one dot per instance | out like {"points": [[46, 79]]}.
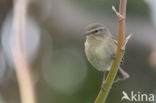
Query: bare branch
{"points": [[21, 64]]}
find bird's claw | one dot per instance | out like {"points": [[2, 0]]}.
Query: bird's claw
{"points": [[113, 56], [102, 87]]}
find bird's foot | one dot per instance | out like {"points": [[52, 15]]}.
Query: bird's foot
{"points": [[102, 87], [113, 56]]}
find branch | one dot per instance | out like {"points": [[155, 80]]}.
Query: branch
{"points": [[22, 68], [102, 96]]}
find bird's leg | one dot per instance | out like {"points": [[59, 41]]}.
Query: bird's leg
{"points": [[113, 56], [103, 81]]}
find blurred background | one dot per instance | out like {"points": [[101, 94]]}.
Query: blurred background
{"points": [[54, 47]]}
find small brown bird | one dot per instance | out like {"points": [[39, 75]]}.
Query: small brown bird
{"points": [[100, 49]]}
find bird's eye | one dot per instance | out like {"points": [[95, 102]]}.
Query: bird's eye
{"points": [[96, 31]]}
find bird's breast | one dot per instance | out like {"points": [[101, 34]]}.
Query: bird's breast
{"points": [[99, 54]]}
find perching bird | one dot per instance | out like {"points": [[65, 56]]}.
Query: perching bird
{"points": [[100, 49]]}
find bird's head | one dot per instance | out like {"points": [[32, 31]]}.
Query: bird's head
{"points": [[97, 30]]}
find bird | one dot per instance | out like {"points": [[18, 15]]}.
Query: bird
{"points": [[100, 49]]}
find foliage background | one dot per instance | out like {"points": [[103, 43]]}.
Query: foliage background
{"points": [[60, 69]]}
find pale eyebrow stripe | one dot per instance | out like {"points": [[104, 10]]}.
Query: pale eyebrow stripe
{"points": [[92, 31], [99, 28]]}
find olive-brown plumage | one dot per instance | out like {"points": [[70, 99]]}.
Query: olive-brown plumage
{"points": [[100, 48]]}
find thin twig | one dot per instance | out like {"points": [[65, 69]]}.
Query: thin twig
{"points": [[120, 17], [22, 68], [126, 41], [102, 96]]}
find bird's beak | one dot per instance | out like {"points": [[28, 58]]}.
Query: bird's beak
{"points": [[87, 33]]}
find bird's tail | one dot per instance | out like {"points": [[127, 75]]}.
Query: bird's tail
{"points": [[121, 75]]}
